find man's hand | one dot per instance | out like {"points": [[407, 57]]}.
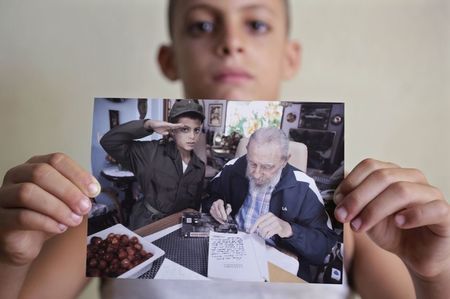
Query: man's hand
{"points": [[39, 199], [161, 127], [269, 225], [219, 212], [402, 213]]}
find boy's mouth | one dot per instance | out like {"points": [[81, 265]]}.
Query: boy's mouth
{"points": [[232, 76]]}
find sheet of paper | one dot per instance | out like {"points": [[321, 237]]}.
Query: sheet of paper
{"points": [[260, 250], [282, 260], [236, 257], [172, 270]]}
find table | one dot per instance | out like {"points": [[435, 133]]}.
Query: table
{"points": [[276, 274], [122, 180]]}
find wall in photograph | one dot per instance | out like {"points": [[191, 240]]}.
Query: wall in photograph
{"points": [[126, 110], [291, 116]]}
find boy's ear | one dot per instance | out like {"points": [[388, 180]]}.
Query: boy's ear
{"points": [[292, 59], [166, 60]]}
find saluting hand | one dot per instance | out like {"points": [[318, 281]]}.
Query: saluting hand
{"points": [[161, 127]]}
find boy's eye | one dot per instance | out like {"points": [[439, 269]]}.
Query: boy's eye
{"points": [[201, 27], [259, 26], [196, 131], [185, 130]]}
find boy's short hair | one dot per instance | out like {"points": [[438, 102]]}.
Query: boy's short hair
{"points": [[171, 15]]}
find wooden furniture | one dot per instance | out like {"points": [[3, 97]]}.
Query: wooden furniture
{"points": [[276, 274]]}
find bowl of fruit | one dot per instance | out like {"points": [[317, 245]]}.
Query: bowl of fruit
{"points": [[118, 252]]}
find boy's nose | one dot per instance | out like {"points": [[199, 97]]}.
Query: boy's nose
{"points": [[230, 42]]}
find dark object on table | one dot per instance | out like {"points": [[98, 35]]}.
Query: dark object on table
{"points": [[196, 224], [114, 255]]}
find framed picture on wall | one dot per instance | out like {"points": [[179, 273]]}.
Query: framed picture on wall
{"points": [[166, 109], [215, 115], [113, 118]]}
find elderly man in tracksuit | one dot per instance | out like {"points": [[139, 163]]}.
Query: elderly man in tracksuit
{"points": [[267, 195]]}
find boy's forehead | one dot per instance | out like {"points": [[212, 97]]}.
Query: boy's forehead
{"points": [[182, 5], [189, 122]]}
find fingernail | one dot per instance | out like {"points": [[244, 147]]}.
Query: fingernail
{"points": [[75, 218], [337, 190], [400, 220], [338, 197], [62, 227], [341, 213], [93, 189], [85, 205], [356, 223]]}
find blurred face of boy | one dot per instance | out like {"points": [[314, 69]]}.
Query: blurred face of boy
{"points": [[234, 49], [187, 136]]}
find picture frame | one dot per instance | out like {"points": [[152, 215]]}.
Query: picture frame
{"points": [[114, 120], [166, 109], [215, 115]]}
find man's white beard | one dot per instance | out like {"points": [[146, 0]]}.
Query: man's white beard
{"points": [[260, 188]]}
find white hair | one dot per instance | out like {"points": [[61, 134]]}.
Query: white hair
{"points": [[274, 136]]}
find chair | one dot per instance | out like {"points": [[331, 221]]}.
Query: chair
{"points": [[200, 151], [297, 150]]}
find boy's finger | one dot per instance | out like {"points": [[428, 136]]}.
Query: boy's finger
{"points": [[395, 198], [176, 126], [51, 180], [22, 219], [31, 197], [359, 174], [374, 184], [434, 214], [72, 171]]}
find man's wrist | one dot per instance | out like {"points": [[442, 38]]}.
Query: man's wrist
{"points": [[287, 230]]}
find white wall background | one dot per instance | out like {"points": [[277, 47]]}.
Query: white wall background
{"points": [[389, 60]]}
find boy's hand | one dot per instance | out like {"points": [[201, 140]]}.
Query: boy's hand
{"points": [[161, 127], [39, 199], [401, 212]]}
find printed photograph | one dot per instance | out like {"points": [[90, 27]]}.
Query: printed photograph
{"points": [[216, 190], [215, 115]]}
